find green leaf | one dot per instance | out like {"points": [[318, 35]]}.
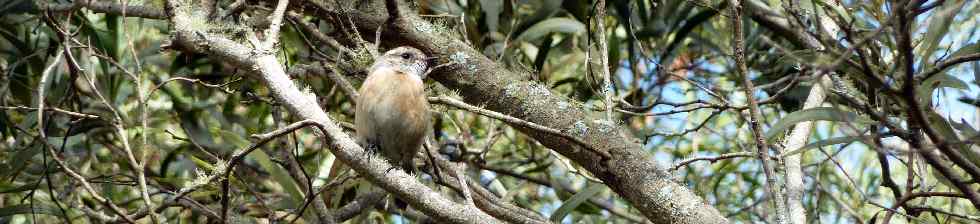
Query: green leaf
{"points": [[939, 24], [814, 114], [940, 125], [26, 209], [201, 163], [940, 80], [964, 127], [231, 137], [689, 25], [14, 165], [553, 25], [492, 8], [10, 188], [576, 200], [976, 72], [279, 174], [966, 49], [825, 142]]}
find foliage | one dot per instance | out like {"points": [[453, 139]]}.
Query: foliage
{"points": [[115, 90]]}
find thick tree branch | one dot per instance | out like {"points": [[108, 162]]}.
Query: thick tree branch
{"points": [[113, 8], [795, 141]]}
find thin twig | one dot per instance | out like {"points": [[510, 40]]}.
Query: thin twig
{"points": [[54, 155], [711, 159], [55, 109], [138, 167], [275, 22], [755, 114], [607, 89]]}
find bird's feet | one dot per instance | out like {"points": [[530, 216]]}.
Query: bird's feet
{"points": [[371, 146]]}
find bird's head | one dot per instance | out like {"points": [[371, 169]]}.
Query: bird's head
{"points": [[408, 60]]}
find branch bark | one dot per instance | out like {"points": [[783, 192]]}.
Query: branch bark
{"points": [[795, 141]]}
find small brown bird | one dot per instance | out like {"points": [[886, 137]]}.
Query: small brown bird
{"points": [[392, 114]]}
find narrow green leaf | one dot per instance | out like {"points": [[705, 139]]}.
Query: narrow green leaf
{"points": [[201, 163], [966, 49], [553, 25], [279, 174], [576, 200], [10, 188], [964, 127], [939, 24], [949, 135], [689, 25], [18, 162], [26, 209], [814, 114], [492, 8], [230, 137], [940, 80], [825, 142]]}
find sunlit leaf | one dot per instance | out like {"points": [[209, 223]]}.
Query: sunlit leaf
{"points": [[814, 114], [940, 80], [552, 25], [492, 9], [939, 24], [945, 130], [281, 177], [38, 208], [569, 205], [823, 143]]}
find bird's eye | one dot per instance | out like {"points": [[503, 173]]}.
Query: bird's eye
{"points": [[406, 56]]}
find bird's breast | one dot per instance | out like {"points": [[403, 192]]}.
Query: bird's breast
{"points": [[393, 102]]}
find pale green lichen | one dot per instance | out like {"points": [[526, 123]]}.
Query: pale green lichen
{"points": [[442, 28], [220, 166], [538, 90], [201, 178], [665, 193], [188, 18], [308, 93], [423, 27], [605, 125], [361, 58], [462, 59], [579, 128], [512, 89], [562, 105], [459, 58]]}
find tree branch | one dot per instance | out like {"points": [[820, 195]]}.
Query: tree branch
{"points": [[141, 11]]}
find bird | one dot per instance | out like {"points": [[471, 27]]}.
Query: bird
{"points": [[392, 111]]}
